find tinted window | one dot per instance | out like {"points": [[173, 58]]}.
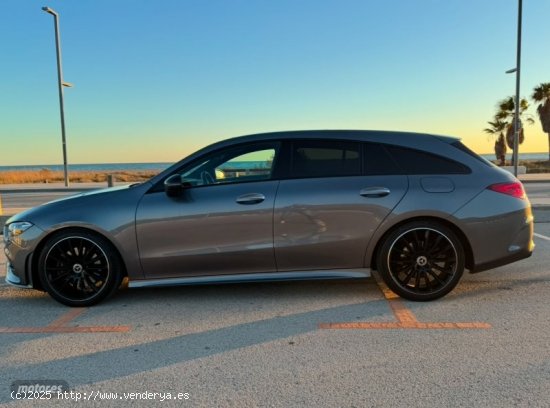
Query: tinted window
{"points": [[377, 161], [312, 158], [233, 165], [414, 161]]}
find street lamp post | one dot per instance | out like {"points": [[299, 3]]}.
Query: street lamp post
{"points": [[60, 84], [517, 70]]}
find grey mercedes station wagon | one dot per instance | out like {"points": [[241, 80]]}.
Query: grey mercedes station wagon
{"points": [[418, 208]]}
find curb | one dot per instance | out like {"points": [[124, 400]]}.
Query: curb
{"points": [[535, 181]]}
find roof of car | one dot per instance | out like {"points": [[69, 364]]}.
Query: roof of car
{"points": [[361, 135]]}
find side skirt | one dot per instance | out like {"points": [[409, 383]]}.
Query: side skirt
{"points": [[255, 277]]}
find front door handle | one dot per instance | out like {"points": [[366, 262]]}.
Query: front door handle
{"points": [[375, 192], [251, 198]]}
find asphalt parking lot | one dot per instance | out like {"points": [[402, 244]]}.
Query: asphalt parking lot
{"points": [[311, 344]]}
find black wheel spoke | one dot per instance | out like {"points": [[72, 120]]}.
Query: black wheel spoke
{"points": [[440, 268], [95, 268], [64, 275], [96, 275], [405, 253], [82, 249], [409, 245], [92, 284], [56, 268], [442, 251], [60, 257], [71, 249], [65, 283], [401, 268], [434, 275], [408, 277], [428, 283], [415, 239], [434, 246], [417, 279], [68, 249], [426, 241]]}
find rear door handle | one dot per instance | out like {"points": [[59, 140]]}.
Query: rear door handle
{"points": [[251, 198], [375, 192]]}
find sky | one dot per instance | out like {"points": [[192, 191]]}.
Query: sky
{"points": [[156, 80]]}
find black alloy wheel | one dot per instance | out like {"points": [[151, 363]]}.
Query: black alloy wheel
{"points": [[421, 261], [79, 268]]}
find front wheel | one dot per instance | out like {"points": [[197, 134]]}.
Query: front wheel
{"points": [[79, 268], [421, 260]]}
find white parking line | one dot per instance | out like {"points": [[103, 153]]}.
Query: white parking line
{"points": [[541, 236]]}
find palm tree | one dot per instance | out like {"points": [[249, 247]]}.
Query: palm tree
{"points": [[497, 128], [506, 112], [541, 94]]}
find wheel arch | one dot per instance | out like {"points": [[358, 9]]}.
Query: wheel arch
{"points": [[468, 252], [36, 253]]}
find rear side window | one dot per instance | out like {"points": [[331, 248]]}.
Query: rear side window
{"points": [[413, 161], [377, 161], [325, 158], [465, 149]]}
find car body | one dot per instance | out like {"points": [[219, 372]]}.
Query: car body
{"points": [[324, 204]]}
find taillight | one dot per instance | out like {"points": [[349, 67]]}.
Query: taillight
{"points": [[514, 189]]}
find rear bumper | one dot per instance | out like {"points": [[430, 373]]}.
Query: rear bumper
{"points": [[499, 229], [521, 245], [502, 261]]}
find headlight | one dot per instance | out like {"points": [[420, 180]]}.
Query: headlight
{"points": [[15, 229]]}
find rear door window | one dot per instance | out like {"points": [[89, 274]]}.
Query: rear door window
{"points": [[325, 158], [378, 162]]}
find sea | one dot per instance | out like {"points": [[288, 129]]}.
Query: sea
{"points": [[522, 156], [89, 167], [114, 167]]}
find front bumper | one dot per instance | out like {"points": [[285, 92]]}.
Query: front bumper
{"points": [[13, 279], [19, 253]]}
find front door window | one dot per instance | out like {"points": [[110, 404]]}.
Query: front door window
{"points": [[236, 165]]}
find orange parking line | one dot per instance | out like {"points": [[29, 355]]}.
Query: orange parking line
{"points": [[411, 325], [59, 325], [401, 313], [405, 317], [67, 317], [361, 325]]}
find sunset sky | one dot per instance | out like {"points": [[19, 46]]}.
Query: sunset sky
{"points": [[155, 80]]}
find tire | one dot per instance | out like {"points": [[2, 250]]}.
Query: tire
{"points": [[79, 268], [421, 260]]}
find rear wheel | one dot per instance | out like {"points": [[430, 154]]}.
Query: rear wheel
{"points": [[79, 268], [421, 260]]}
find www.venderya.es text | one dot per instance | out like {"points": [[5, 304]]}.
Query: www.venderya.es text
{"points": [[99, 395]]}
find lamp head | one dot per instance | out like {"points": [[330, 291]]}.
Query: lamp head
{"points": [[49, 11]]}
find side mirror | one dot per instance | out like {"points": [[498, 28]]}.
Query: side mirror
{"points": [[173, 185]]}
